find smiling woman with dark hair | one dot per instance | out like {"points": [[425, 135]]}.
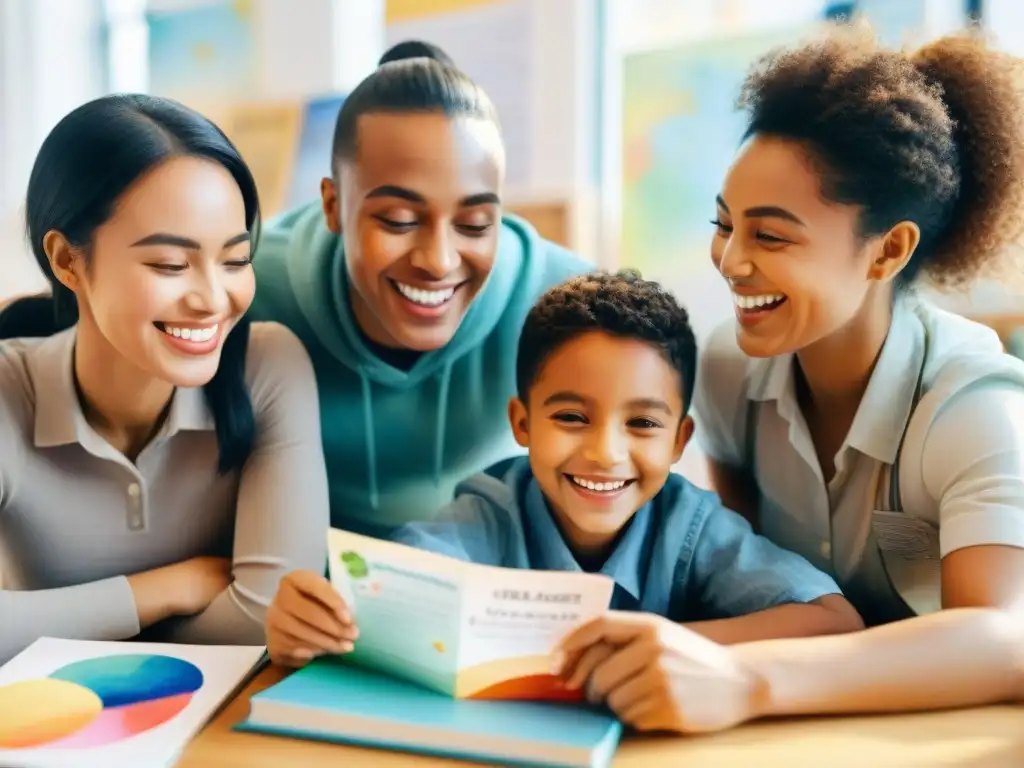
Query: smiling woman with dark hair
{"points": [[855, 423], [152, 453]]}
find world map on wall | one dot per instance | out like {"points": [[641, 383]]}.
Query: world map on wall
{"points": [[681, 130]]}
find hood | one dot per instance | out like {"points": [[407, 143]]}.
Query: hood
{"points": [[316, 270]]}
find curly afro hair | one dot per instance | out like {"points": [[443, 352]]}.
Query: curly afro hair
{"points": [[623, 305], [934, 136]]}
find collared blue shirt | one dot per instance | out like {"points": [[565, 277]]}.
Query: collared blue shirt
{"points": [[683, 556]]}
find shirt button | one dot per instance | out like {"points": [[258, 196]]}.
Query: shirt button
{"points": [[134, 490], [136, 522], [826, 549]]}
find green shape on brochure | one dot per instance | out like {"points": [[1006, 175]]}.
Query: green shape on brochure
{"points": [[355, 565]]}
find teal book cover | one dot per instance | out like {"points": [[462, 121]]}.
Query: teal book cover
{"points": [[330, 700]]}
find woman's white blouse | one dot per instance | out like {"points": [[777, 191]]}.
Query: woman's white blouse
{"points": [[961, 466]]}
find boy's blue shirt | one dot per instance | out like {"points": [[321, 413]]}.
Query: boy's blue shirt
{"points": [[397, 441], [683, 555]]}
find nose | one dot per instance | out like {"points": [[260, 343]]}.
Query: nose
{"points": [[731, 259], [435, 254], [207, 294], [606, 448]]}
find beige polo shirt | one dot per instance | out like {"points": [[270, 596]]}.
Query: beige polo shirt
{"points": [[76, 516], [961, 465]]}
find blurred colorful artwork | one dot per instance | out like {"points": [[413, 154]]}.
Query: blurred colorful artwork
{"points": [[203, 52], [313, 156], [680, 132], [266, 134], [404, 10]]}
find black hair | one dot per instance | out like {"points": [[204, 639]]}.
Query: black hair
{"points": [[415, 49], [931, 136], [90, 158], [413, 76], [623, 305]]}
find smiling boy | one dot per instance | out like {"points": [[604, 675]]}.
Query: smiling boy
{"points": [[605, 369]]}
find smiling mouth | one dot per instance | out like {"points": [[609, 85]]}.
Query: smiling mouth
{"points": [[424, 298], [759, 303], [604, 486], [198, 335]]}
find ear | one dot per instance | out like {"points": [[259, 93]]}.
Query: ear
{"points": [[895, 251], [65, 261], [330, 201], [518, 418], [683, 435]]}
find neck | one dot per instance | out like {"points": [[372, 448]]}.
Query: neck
{"points": [[590, 551], [836, 370], [122, 404]]}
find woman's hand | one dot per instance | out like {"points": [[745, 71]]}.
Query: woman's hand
{"points": [[657, 675], [181, 589], [308, 618]]}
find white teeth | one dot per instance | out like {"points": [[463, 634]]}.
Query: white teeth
{"points": [[599, 487], [198, 335], [753, 302], [425, 298]]}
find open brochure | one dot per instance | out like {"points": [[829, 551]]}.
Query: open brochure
{"points": [[467, 630]]}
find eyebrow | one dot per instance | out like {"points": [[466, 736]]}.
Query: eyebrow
{"points": [[565, 397], [648, 403], [177, 241], [764, 212], [403, 193], [651, 403]]}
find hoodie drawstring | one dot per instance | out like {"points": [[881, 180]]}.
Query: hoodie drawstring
{"points": [[371, 448], [440, 431], [442, 421]]}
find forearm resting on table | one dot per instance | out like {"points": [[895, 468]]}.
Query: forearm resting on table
{"points": [[230, 619], [953, 658], [827, 615], [153, 601], [100, 610]]}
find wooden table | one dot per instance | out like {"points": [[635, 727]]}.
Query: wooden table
{"points": [[990, 737]]}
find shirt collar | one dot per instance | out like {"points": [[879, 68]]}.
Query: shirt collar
{"points": [[772, 378], [885, 407], [545, 543], [59, 419]]}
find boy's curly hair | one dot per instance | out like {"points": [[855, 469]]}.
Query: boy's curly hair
{"points": [[934, 136], [623, 305]]}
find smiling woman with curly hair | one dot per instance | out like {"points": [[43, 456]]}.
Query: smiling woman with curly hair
{"points": [[852, 421]]}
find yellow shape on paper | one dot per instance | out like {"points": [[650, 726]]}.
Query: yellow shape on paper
{"points": [[35, 712], [407, 10], [438, 646]]}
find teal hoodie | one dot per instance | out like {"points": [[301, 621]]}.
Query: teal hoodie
{"points": [[398, 441]]}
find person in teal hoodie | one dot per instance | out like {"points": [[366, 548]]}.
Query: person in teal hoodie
{"points": [[408, 285]]}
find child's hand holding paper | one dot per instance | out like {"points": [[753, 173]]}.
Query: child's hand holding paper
{"points": [[463, 629], [308, 618]]}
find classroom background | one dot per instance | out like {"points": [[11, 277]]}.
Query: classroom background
{"points": [[618, 114]]}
